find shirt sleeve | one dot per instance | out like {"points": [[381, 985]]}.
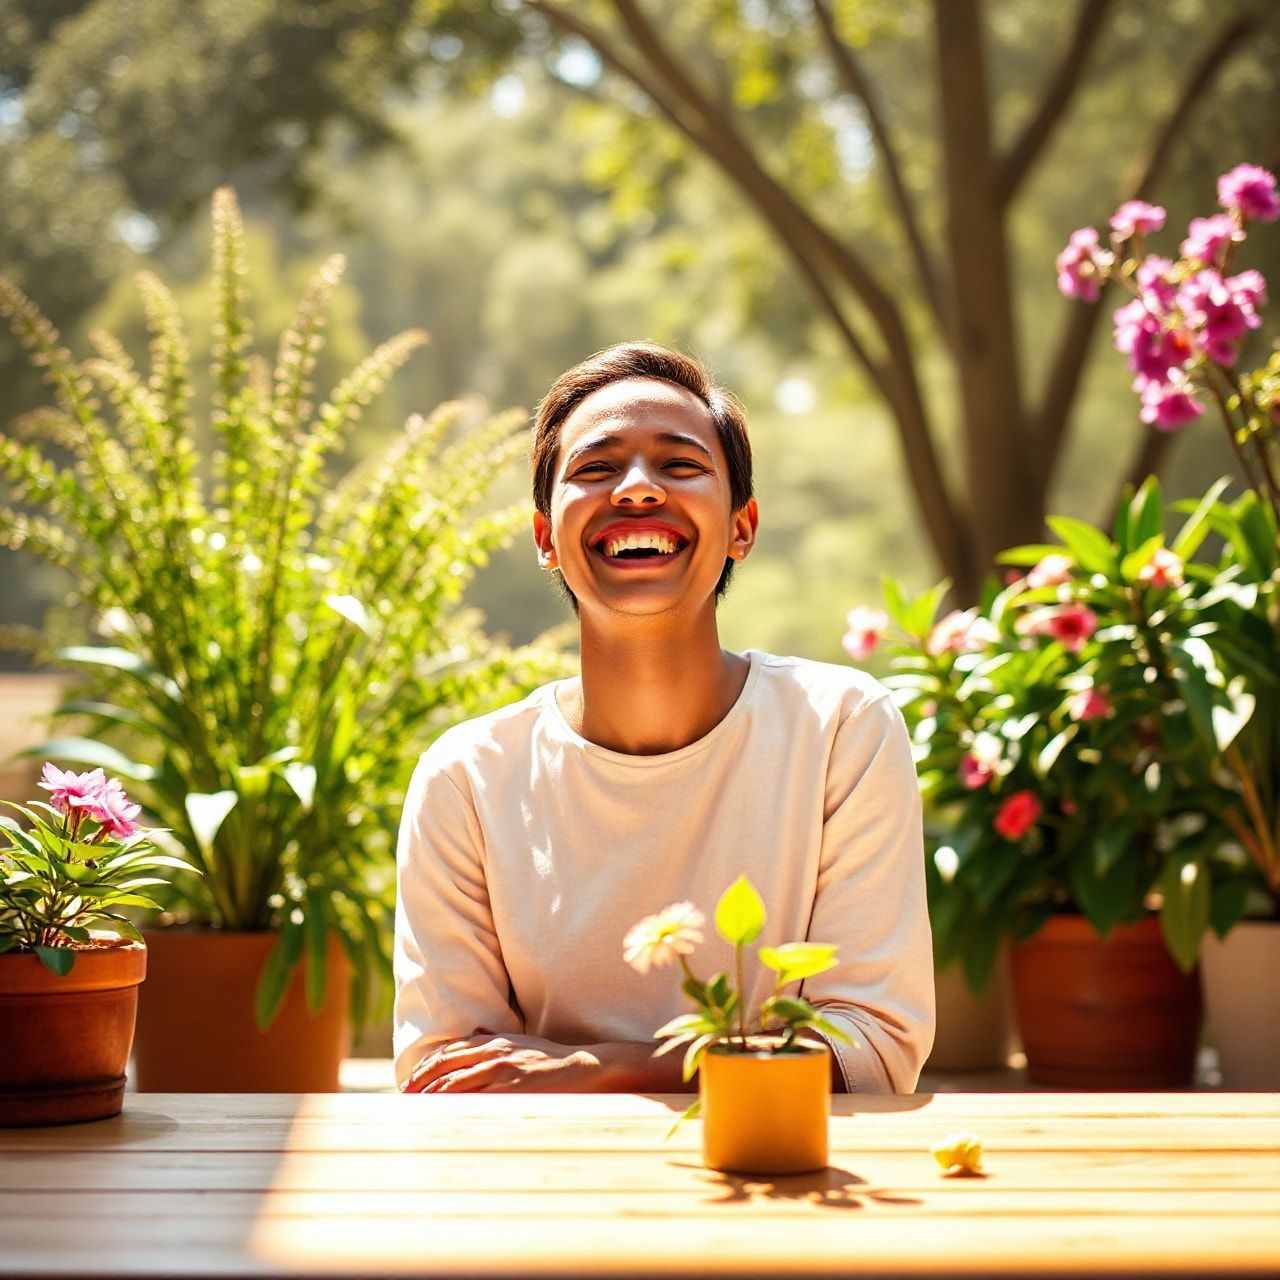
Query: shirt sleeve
{"points": [[871, 900], [449, 974]]}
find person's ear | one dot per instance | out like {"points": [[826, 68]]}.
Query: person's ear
{"points": [[745, 521], [547, 558]]}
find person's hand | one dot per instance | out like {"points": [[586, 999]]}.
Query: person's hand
{"points": [[504, 1064]]}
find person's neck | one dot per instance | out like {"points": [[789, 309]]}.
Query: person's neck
{"points": [[653, 692]]}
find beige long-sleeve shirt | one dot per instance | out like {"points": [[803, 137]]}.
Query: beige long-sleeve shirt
{"points": [[526, 853]]}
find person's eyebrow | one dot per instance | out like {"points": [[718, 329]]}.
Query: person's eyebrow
{"points": [[613, 438]]}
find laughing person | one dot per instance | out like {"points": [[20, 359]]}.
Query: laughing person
{"points": [[533, 838]]}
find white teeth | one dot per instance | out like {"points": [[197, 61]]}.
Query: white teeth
{"points": [[635, 541]]}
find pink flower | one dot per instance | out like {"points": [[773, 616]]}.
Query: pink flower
{"points": [[980, 764], [1017, 815], [1251, 192], [1155, 285], [866, 627], [1222, 311], [1169, 405], [1071, 624], [1164, 569], [1080, 265], [1088, 704], [1050, 571], [1154, 351], [1206, 237], [1136, 218], [961, 632], [72, 790], [115, 810]]}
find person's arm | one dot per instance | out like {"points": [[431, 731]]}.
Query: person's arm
{"points": [[871, 901], [449, 973]]}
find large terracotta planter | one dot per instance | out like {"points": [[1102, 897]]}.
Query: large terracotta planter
{"points": [[64, 1041], [1105, 1014], [1242, 1001], [196, 1028], [974, 1033], [765, 1112]]}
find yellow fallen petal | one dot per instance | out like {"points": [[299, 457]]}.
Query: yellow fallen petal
{"points": [[959, 1153]]}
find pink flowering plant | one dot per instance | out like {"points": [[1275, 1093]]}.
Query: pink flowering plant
{"points": [[1189, 318], [77, 861], [1067, 732]]}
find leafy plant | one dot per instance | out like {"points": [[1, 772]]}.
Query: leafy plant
{"points": [[673, 934], [76, 863], [1068, 735], [282, 651]]}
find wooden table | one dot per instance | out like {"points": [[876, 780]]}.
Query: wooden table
{"points": [[485, 1185]]}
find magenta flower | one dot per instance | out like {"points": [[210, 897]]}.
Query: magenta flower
{"points": [[1154, 351], [960, 632], [1155, 285], [1017, 815], [1249, 191], [1169, 406], [1051, 571], [1071, 624], [72, 790], [975, 773], [865, 629], [1164, 569], [115, 810], [1079, 265], [1222, 311], [1088, 704], [1206, 237], [1136, 218]]}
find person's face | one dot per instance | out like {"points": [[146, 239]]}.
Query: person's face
{"points": [[640, 508]]}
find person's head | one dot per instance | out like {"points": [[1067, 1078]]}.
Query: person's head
{"points": [[630, 416]]}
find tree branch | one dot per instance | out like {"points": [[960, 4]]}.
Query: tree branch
{"points": [[1066, 78], [806, 242], [850, 74], [1073, 345]]}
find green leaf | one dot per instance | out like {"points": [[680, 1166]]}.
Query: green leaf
{"points": [[277, 971], [832, 1031], [1193, 532], [1184, 916], [895, 601], [352, 610], [690, 1113], [1050, 752], [795, 961], [1108, 899], [686, 1024], [1028, 555], [740, 913], [1227, 903], [59, 960], [316, 924], [302, 780], [97, 754], [693, 1056], [1109, 842], [788, 1009], [1139, 559], [1090, 547], [206, 813], [1146, 514], [1229, 720]]}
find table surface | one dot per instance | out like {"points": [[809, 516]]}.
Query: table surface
{"points": [[575, 1185]]}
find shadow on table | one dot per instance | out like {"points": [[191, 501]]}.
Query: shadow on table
{"points": [[829, 1188]]}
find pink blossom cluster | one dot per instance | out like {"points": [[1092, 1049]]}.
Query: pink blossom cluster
{"points": [[1185, 313], [91, 795]]}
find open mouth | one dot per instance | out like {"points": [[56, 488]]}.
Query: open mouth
{"points": [[650, 546]]}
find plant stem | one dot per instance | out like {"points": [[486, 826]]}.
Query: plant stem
{"points": [[742, 999]]}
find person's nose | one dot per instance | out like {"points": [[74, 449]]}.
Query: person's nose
{"points": [[637, 484]]}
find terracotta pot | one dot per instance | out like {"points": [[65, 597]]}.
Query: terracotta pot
{"points": [[765, 1112], [1105, 1014], [1242, 1000], [974, 1033], [196, 1028], [64, 1041]]}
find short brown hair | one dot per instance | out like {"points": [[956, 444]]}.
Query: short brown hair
{"points": [[640, 360]]}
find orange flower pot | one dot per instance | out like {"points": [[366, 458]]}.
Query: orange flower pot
{"points": [[196, 1027], [1105, 1013], [64, 1041], [765, 1112]]}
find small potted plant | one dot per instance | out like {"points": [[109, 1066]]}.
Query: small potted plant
{"points": [[764, 1087], [69, 992]]}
